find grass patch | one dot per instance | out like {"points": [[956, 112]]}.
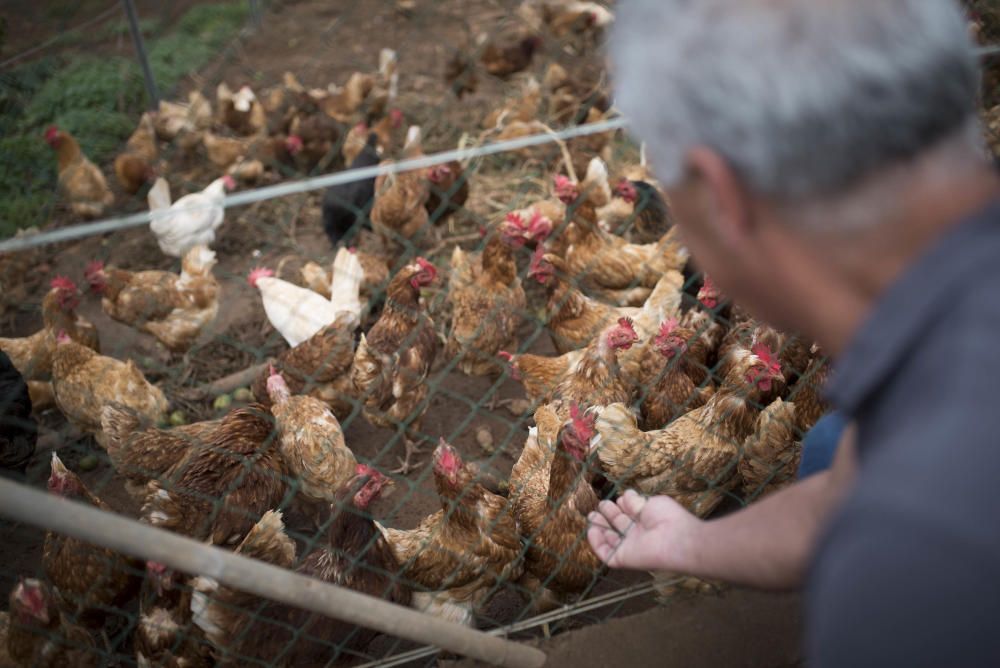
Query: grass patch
{"points": [[98, 100]]}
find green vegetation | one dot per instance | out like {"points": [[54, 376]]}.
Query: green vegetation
{"points": [[98, 100]]}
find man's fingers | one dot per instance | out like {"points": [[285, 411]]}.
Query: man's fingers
{"points": [[609, 510], [622, 523], [604, 543], [632, 503], [598, 520]]}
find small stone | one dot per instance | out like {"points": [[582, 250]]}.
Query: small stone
{"points": [[485, 439], [222, 402], [88, 463]]}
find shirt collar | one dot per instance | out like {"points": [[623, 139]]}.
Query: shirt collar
{"points": [[919, 297]]}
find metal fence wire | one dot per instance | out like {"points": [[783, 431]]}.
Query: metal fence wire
{"points": [[408, 374]]}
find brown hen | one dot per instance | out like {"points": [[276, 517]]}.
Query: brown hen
{"points": [[219, 487], [392, 361], [398, 212], [134, 166], [551, 498], [80, 181], [319, 367], [85, 382], [89, 579], [461, 553], [694, 458], [487, 303], [353, 555], [173, 308], [40, 636]]}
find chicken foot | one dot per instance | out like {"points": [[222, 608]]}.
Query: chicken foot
{"points": [[412, 448]]}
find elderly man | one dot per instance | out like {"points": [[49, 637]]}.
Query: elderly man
{"points": [[824, 160]]}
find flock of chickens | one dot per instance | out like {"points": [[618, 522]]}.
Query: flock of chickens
{"points": [[651, 389]]}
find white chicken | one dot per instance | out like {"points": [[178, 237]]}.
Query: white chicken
{"points": [[190, 221], [298, 313]]}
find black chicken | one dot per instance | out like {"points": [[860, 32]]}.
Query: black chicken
{"points": [[18, 430], [347, 204]]}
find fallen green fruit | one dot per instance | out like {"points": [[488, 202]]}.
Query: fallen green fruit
{"points": [[222, 402], [177, 418], [243, 394], [88, 463]]}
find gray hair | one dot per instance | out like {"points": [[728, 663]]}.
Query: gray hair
{"points": [[803, 98]]}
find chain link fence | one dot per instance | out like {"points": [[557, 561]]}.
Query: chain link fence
{"points": [[411, 364]]}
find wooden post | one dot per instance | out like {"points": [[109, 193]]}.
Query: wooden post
{"points": [[128, 536]]}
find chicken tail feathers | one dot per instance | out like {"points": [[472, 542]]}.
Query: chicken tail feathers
{"points": [[159, 195], [268, 542], [117, 423]]}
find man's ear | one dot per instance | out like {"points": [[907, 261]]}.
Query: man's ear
{"points": [[721, 193]]}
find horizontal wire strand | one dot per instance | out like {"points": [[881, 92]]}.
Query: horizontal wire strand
{"points": [[314, 183]]}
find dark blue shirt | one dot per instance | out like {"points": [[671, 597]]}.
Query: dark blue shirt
{"points": [[908, 573]]}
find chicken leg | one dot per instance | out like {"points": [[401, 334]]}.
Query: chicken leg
{"points": [[411, 449]]}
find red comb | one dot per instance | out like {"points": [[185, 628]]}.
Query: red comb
{"points": [[540, 226], [506, 356], [766, 356], [583, 422], [258, 273], [427, 266], [627, 324], [538, 256], [62, 283], [667, 327], [446, 457], [361, 127], [514, 218], [562, 181], [93, 267]]}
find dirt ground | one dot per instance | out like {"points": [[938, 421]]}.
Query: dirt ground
{"points": [[323, 41], [739, 628]]}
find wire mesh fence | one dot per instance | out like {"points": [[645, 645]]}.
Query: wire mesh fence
{"points": [[421, 306]]}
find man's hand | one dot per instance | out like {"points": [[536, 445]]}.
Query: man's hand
{"points": [[643, 534]]}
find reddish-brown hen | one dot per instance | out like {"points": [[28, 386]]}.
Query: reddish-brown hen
{"points": [[80, 180], [134, 166], [88, 578], [551, 498], [461, 553], [670, 377], [487, 303], [209, 481], [353, 555], [398, 212], [449, 189], [694, 458], [392, 361], [319, 367], [173, 308], [40, 636], [32, 355]]}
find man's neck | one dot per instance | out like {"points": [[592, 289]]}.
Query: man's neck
{"points": [[856, 269]]}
